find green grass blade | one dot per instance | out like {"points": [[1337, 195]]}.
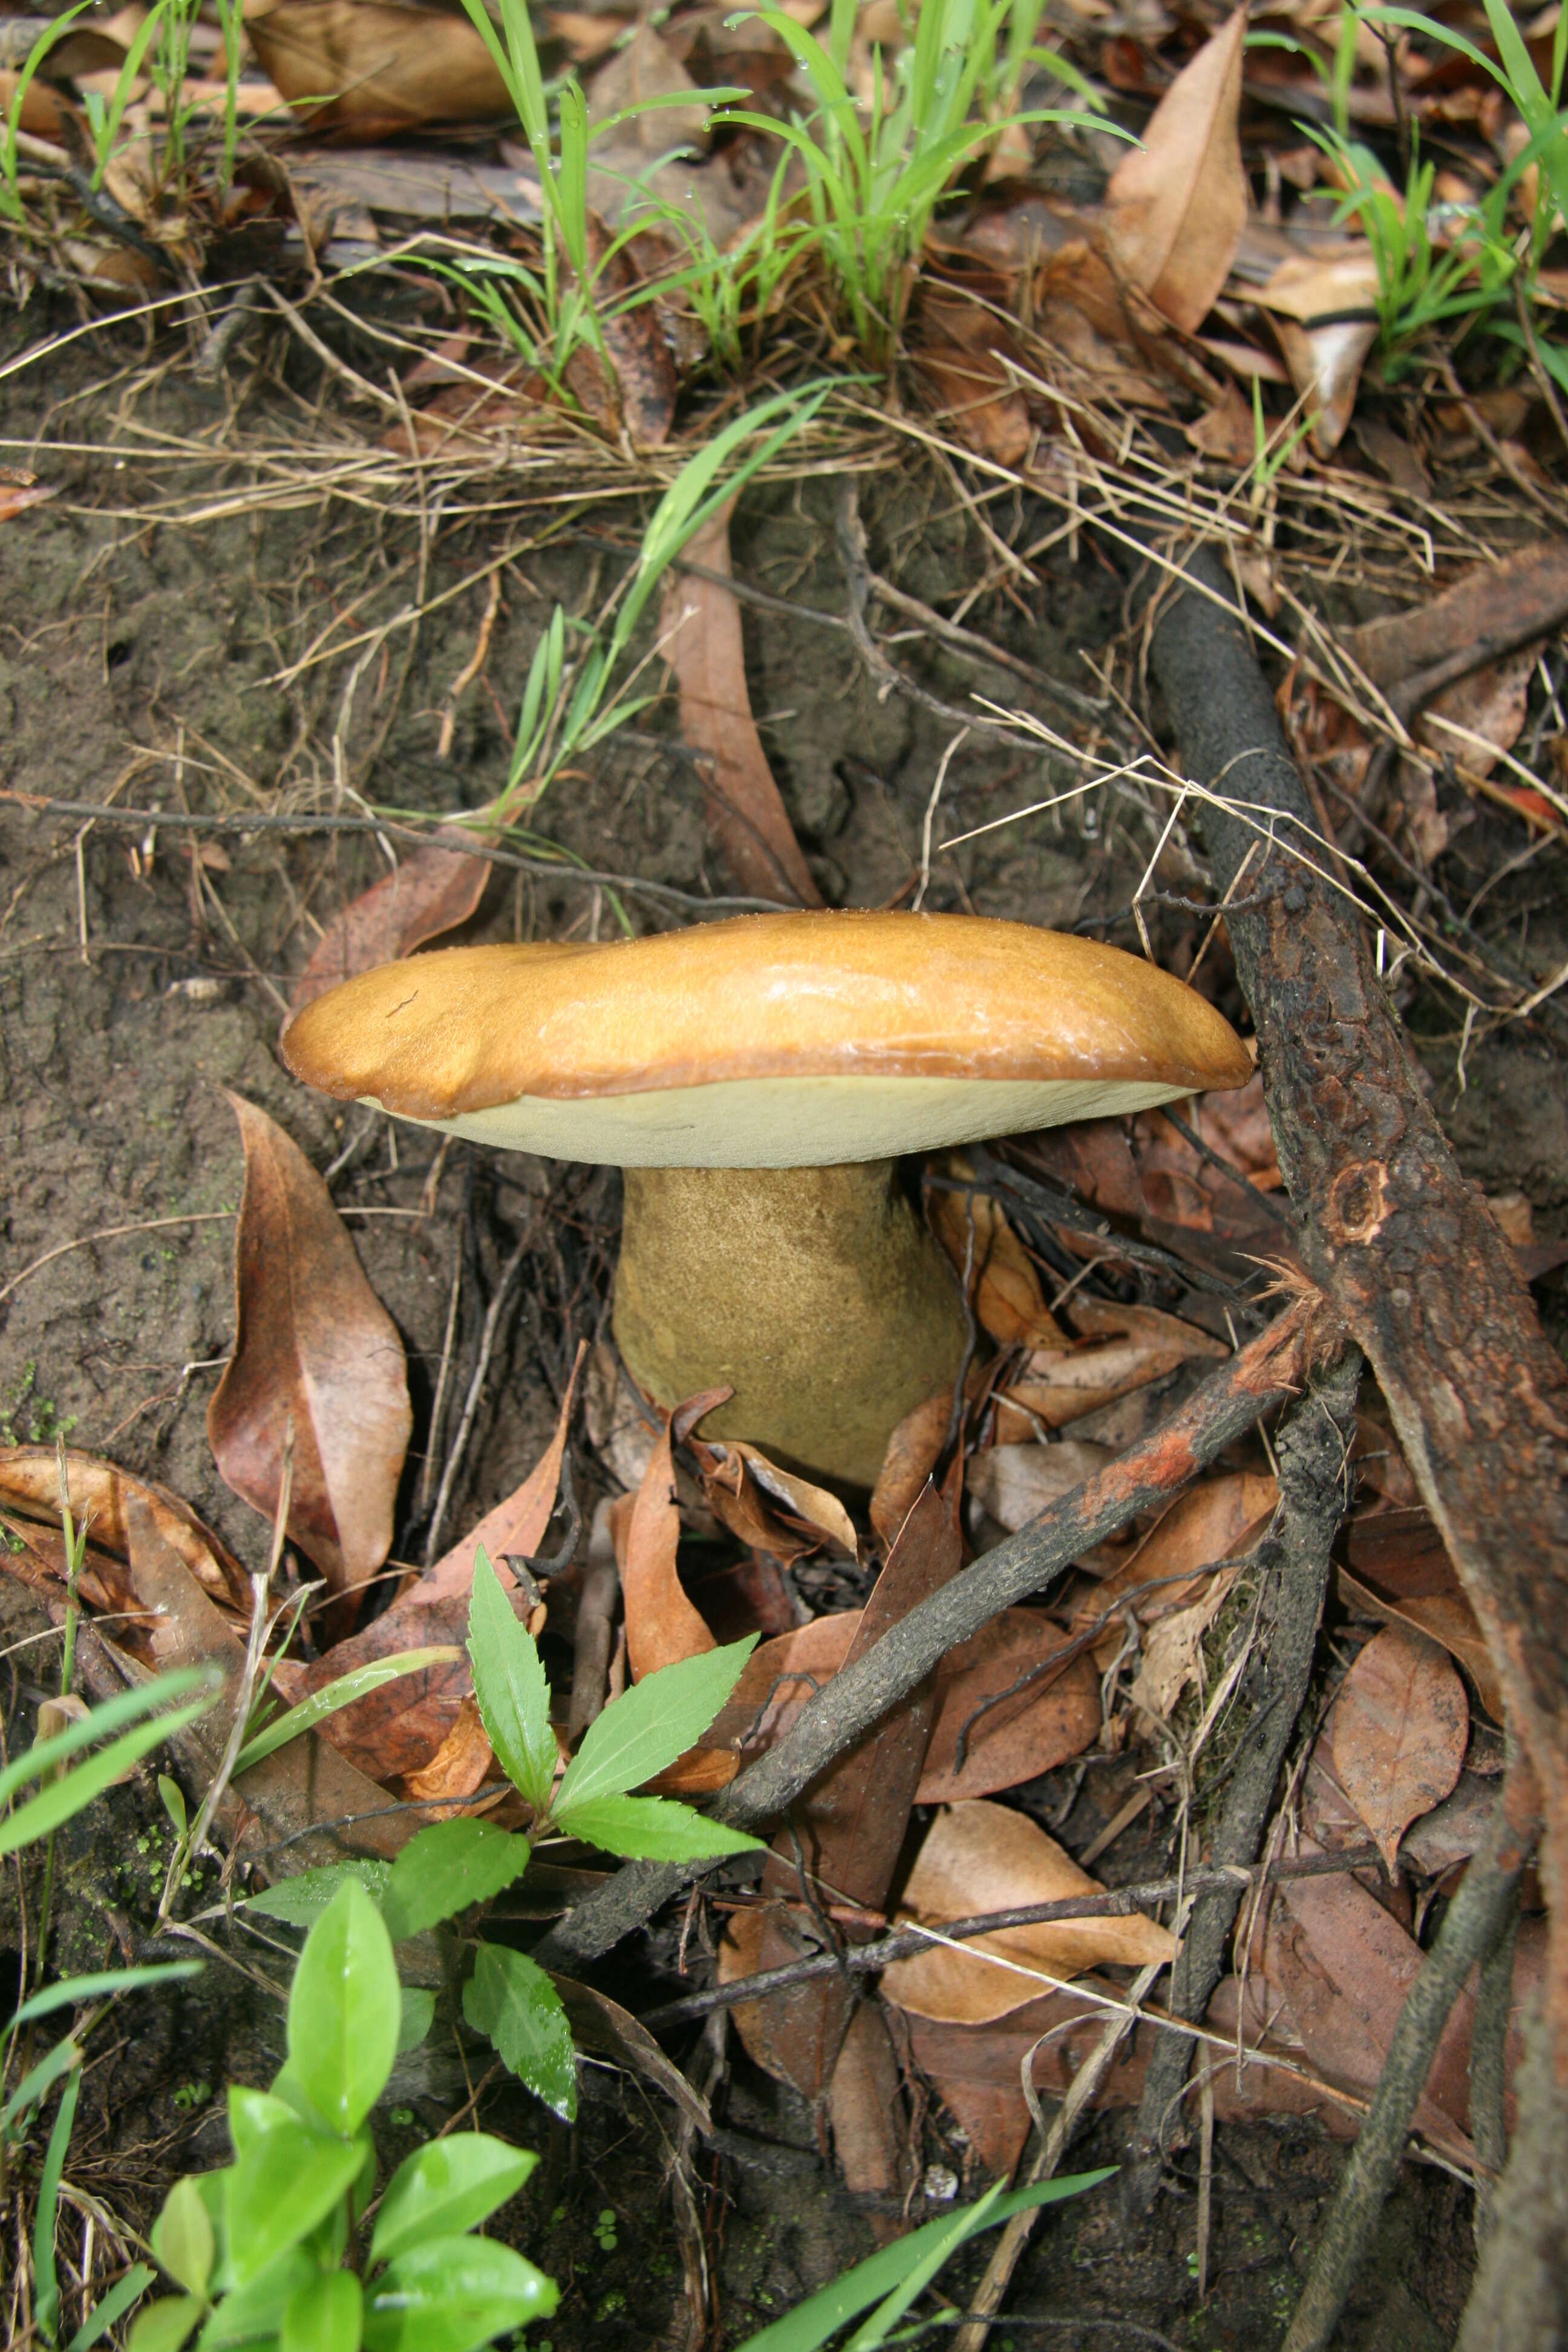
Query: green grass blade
{"points": [[103, 1983], [343, 1693], [61, 1798], [125, 1707]]}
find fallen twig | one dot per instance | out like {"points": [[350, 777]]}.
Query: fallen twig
{"points": [[1312, 1446], [1471, 1925], [902, 1944]]}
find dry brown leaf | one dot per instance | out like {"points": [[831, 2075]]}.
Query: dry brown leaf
{"points": [[976, 2070], [775, 1509], [459, 1765], [19, 491], [1017, 1482], [662, 1626], [101, 1496], [981, 1857], [1173, 1653], [870, 2125], [430, 891], [315, 1353], [600, 2023], [1494, 607], [1400, 1727], [1008, 1301], [1490, 703], [1402, 1572], [1119, 1349], [1325, 317], [381, 65], [1210, 1523], [745, 813], [1176, 207], [1053, 1717], [849, 1830], [913, 1452], [1056, 1714], [401, 1728], [304, 1786]]}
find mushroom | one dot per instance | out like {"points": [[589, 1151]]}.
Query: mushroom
{"points": [[758, 1079]]}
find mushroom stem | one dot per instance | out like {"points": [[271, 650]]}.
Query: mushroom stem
{"points": [[815, 1293]]}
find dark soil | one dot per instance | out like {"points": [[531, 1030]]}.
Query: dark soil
{"points": [[156, 661]]}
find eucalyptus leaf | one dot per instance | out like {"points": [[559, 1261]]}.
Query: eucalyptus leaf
{"points": [[299, 1901], [446, 1867], [510, 1685], [451, 2295], [653, 1829], [445, 2187], [344, 2010], [511, 2000], [650, 1725], [323, 2315]]}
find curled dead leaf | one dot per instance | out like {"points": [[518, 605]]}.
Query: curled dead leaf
{"points": [[1325, 317], [980, 1857], [102, 1496], [315, 1354]]}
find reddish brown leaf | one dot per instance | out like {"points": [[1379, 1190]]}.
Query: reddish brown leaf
{"points": [[315, 1354], [403, 1726], [1056, 1714], [380, 66], [431, 891], [1403, 1571], [1017, 1482], [1176, 207], [982, 1857], [661, 1624], [977, 401], [459, 1765], [701, 639], [1119, 1349], [1400, 1727], [1003, 1284], [1211, 1522]]}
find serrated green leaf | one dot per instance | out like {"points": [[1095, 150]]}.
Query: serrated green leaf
{"points": [[510, 1685], [452, 2294], [323, 2315], [445, 1868], [344, 2010], [299, 1901], [645, 1729], [163, 2325], [651, 1829], [183, 2238], [448, 2186], [512, 2002]]}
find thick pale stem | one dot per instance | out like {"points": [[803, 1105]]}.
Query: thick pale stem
{"points": [[815, 1293]]}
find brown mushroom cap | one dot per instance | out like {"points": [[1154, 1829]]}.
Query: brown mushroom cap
{"points": [[768, 1040]]}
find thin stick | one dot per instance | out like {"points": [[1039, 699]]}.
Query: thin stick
{"points": [[105, 1234], [508, 1274], [1473, 1922]]}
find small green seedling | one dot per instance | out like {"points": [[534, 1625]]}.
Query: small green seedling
{"points": [[456, 1867], [273, 2248]]}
